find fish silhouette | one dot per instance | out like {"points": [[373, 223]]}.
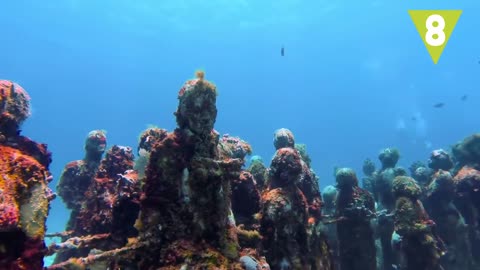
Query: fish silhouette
{"points": [[282, 51], [464, 97], [439, 105]]}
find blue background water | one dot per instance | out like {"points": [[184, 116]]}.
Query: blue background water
{"points": [[354, 74]]}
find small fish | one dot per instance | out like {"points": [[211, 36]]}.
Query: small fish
{"points": [[282, 51], [414, 118], [464, 97], [439, 105]]}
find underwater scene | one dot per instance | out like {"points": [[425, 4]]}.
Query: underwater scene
{"points": [[239, 134]]}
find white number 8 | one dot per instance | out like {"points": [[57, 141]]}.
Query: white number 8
{"points": [[435, 35]]}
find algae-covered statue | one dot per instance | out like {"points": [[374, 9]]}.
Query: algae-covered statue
{"points": [[355, 209], [421, 248], [24, 177]]}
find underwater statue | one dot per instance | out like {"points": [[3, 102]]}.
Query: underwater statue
{"points": [[386, 202], [308, 181], [467, 183], [259, 171], [421, 173], [106, 217], [186, 205], [24, 177], [146, 143], [451, 227], [440, 160], [245, 192], [75, 180], [245, 200], [355, 207], [285, 224], [77, 175], [420, 246], [329, 195], [368, 182]]}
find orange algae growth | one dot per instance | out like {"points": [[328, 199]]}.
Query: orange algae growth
{"points": [[273, 195], [466, 172], [199, 83], [200, 74]]}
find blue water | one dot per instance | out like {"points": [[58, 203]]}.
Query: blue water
{"points": [[353, 75]]}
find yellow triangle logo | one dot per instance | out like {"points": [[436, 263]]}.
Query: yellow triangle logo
{"points": [[435, 28]]}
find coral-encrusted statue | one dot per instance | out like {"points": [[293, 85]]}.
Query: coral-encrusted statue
{"points": [[451, 226], [282, 138], [383, 183], [420, 245], [308, 181], [233, 147], [245, 194], [147, 141], [467, 181], [24, 192], [186, 219], [259, 171], [421, 174], [245, 207], [329, 195], [355, 209], [386, 202], [290, 238], [245, 199], [76, 178], [14, 108], [284, 219], [77, 175], [111, 201], [110, 206], [368, 182], [467, 152], [440, 160]]}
